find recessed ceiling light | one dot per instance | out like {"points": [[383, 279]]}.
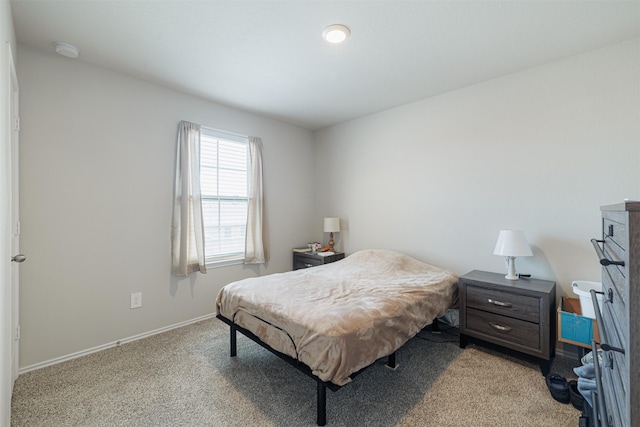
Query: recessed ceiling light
{"points": [[65, 49], [336, 33]]}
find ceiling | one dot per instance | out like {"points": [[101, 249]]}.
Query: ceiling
{"points": [[268, 57]]}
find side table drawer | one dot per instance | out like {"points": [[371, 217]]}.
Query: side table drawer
{"points": [[305, 262], [504, 328], [504, 303]]}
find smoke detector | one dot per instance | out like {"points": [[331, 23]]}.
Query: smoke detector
{"points": [[66, 49]]}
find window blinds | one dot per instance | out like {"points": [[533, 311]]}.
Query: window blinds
{"points": [[224, 178]]}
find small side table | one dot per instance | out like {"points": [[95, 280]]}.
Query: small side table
{"points": [[307, 259], [516, 314]]}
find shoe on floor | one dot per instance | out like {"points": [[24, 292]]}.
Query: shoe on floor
{"points": [[558, 387], [575, 396]]}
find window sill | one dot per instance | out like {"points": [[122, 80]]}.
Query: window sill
{"points": [[224, 262]]}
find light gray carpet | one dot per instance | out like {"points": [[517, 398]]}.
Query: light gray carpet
{"points": [[185, 377]]}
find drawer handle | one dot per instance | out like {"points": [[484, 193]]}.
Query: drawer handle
{"points": [[498, 303], [608, 297], [308, 265], [603, 259], [500, 327], [607, 347]]}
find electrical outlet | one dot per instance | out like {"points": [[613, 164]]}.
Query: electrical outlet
{"points": [[136, 300]]}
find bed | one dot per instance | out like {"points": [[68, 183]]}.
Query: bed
{"points": [[334, 320]]}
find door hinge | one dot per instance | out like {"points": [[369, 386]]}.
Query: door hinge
{"points": [[16, 124], [17, 228], [17, 332]]}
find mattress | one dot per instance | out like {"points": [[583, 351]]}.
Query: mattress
{"points": [[340, 317]]}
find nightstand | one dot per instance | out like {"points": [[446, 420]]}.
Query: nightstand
{"points": [[515, 314], [307, 259]]}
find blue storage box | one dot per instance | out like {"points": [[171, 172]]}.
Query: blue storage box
{"points": [[573, 328]]}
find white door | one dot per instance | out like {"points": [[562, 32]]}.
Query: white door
{"points": [[17, 258], [9, 244]]}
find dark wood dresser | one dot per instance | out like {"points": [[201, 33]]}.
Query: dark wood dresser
{"points": [[617, 400], [308, 259], [516, 314]]}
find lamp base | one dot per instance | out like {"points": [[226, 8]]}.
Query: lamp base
{"points": [[331, 241], [511, 270]]}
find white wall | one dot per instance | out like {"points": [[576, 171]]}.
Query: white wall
{"points": [[540, 151], [97, 166]]}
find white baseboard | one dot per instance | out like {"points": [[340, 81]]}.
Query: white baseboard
{"points": [[560, 350], [111, 345]]}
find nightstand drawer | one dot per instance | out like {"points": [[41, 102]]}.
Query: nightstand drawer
{"points": [[503, 328], [306, 262], [307, 259], [504, 303]]}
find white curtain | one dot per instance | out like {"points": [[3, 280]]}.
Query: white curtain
{"points": [[187, 233], [254, 251]]}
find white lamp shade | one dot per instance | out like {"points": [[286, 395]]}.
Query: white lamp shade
{"points": [[331, 225], [512, 243]]}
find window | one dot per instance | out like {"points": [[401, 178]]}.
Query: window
{"points": [[224, 182]]}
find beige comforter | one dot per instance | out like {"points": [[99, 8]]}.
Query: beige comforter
{"points": [[340, 317]]}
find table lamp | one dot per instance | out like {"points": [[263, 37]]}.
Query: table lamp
{"points": [[511, 244], [331, 225]]}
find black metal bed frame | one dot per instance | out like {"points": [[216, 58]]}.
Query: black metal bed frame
{"points": [[321, 411]]}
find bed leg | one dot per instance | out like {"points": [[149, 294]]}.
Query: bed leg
{"points": [[322, 404], [321, 416], [391, 361], [232, 340]]}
